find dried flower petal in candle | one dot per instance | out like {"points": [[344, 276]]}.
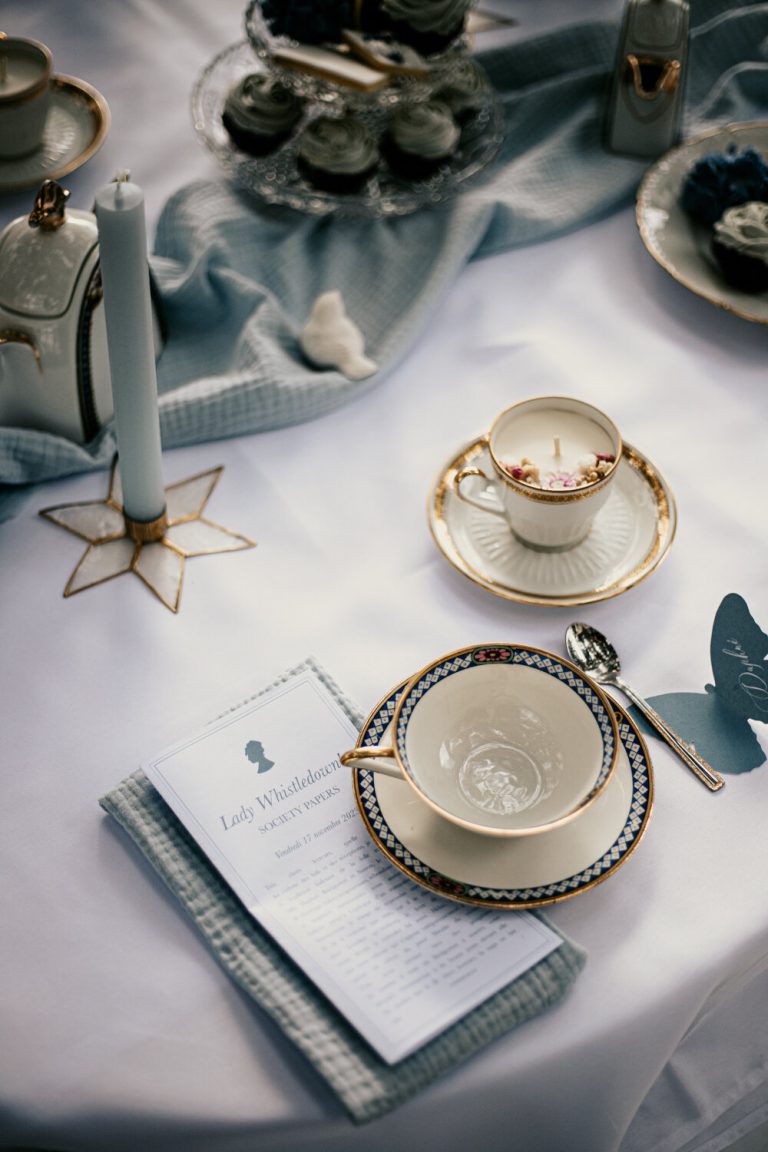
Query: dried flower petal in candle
{"points": [[559, 481], [589, 470], [595, 466], [587, 463], [526, 472]]}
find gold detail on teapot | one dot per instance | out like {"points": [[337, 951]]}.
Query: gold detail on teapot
{"points": [[651, 77], [16, 336], [48, 211]]}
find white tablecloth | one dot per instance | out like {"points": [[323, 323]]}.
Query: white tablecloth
{"points": [[118, 1029]]}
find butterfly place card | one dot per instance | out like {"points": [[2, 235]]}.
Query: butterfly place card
{"points": [[717, 720]]}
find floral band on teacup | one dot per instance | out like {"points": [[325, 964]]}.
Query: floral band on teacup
{"points": [[492, 655]]}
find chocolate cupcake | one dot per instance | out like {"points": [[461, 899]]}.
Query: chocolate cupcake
{"points": [[260, 114], [337, 154], [308, 21], [466, 91], [429, 26], [419, 139], [740, 246]]}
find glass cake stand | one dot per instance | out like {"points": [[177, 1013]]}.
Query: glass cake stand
{"points": [[276, 179]]}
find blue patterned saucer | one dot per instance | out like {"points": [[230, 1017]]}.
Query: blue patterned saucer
{"points": [[493, 873]]}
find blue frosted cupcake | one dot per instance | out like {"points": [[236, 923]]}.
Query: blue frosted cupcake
{"points": [[419, 139], [337, 154], [723, 180], [260, 114]]}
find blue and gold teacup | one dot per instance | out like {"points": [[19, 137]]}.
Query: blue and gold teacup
{"points": [[502, 739]]}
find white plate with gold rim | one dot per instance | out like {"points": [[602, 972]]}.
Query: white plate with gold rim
{"points": [[483, 870], [679, 244], [629, 538], [77, 124]]}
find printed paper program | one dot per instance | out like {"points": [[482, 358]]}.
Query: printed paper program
{"points": [[265, 796]]}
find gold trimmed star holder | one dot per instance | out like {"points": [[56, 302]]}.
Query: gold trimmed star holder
{"points": [[159, 563]]}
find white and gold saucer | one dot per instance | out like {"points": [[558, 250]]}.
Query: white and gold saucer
{"points": [[629, 538], [508, 874], [77, 125]]}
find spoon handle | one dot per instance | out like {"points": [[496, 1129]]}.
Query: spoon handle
{"points": [[713, 780]]}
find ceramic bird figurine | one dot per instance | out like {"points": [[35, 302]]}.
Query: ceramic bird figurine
{"points": [[331, 340]]}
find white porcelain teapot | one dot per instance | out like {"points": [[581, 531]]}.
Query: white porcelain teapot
{"points": [[54, 367]]}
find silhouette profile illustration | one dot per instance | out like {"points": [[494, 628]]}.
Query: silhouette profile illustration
{"points": [[716, 720], [254, 750]]}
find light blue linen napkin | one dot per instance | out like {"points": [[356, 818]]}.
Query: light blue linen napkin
{"points": [[366, 1086], [238, 277]]}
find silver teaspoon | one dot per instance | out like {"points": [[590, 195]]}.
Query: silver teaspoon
{"points": [[596, 656]]}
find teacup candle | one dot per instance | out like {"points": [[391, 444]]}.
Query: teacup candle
{"points": [[25, 75], [554, 459]]}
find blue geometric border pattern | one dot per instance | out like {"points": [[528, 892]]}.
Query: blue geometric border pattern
{"points": [[399, 854], [510, 654], [379, 723]]}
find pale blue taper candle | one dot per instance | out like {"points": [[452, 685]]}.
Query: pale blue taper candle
{"points": [[128, 314]]}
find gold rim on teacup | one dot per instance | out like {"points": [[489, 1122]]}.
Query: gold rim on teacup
{"points": [[565, 402], [24, 97], [521, 748], [39, 86]]}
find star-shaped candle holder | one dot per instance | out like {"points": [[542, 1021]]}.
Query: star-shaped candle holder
{"points": [[114, 550]]}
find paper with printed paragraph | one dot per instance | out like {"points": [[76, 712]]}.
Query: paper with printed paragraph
{"points": [[263, 793]]}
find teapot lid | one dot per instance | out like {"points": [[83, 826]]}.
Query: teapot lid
{"points": [[42, 255]]}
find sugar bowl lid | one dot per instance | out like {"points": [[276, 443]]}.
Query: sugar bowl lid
{"points": [[42, 255]]}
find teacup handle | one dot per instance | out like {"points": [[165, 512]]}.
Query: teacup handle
{"points": [[377, 759], [489, 502]]}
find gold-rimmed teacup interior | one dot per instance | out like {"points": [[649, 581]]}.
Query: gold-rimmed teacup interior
{"points": [[502, 739]]}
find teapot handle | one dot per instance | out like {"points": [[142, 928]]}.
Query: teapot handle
{"points": [[15, 336]]}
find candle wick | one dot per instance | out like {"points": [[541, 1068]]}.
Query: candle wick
{"points": [[121, 177], [557, 446]]}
